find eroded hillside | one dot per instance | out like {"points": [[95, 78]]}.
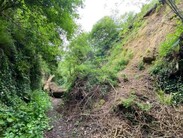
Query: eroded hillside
{"points": [[132, 109]]}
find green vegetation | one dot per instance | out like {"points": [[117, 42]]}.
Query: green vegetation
{"points": [[119, 59], [131, 101], [29, 47], [103, 35], [25, 119], [32, 35], [165, 98], [93, 60], [169, 74], [144, 106], [82, 69], [129, 23]]}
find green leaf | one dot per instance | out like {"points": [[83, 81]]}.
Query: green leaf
{"points": [[10, 120], [2, 122]]}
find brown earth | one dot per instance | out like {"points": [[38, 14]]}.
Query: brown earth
{"points": [[111, 119]]}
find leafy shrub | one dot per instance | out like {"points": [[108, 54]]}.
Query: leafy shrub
{"points": [[167, 69], [129, 101], [25, 119], [165, 98], [167, 46], [167, 81]]}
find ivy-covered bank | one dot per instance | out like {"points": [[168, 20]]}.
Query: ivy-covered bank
{"points": [[27, 52], [22, 104]]}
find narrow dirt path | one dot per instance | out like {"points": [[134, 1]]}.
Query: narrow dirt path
{"points": [[62, 126], [58, 124]]}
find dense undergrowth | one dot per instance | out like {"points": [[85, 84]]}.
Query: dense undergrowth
{"points": [[27, 53], [169, 74], [22, 111], [23, 119]]}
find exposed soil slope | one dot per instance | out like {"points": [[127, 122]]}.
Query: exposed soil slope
{"points": [[112, 119]]}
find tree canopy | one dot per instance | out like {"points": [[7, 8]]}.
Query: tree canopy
{"points": [[103, 34]]}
